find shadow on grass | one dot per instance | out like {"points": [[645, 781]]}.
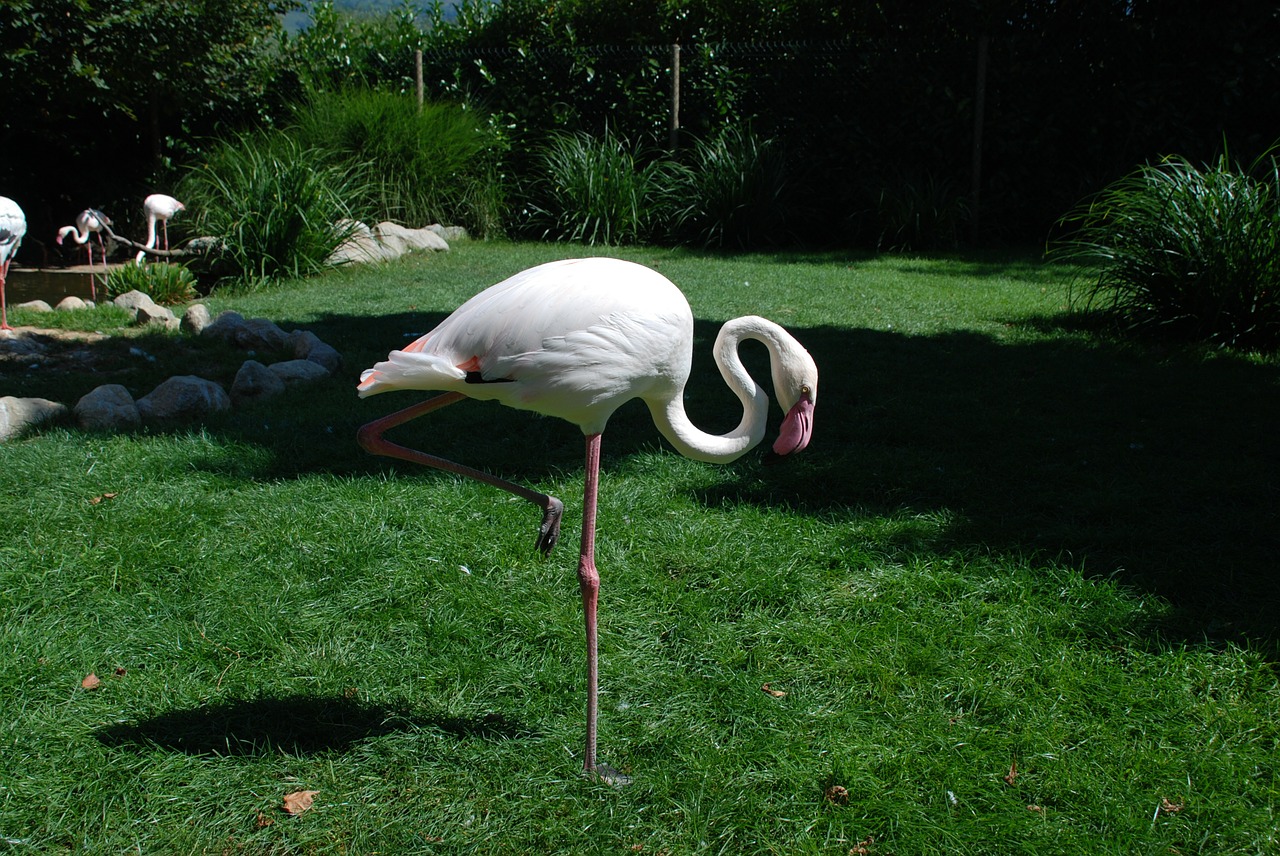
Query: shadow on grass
{"points": [[296, 725]]}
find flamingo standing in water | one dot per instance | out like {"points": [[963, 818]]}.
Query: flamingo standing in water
{"points": [[89, 222], [576, 339], [159, 208], [13, 225]]}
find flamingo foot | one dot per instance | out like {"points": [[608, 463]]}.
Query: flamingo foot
{"points": [[549, 531], [606, 775]]}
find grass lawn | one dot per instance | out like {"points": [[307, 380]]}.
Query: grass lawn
{"points": [[1018, 596]]}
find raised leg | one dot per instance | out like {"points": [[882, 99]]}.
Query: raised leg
{"points": [[371, 439], [589, 585]]}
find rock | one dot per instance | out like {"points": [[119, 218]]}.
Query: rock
{"points": [[224, 326], [261, 334], [302, 341], [131, 300], [255, 382], [160, 316], [361, 246], [183, 397], [19, 414], [195, 319], [450, 233], [34, 306], [393, 234], [326, 356], [70, 303], [298, 372], [106, 408]]}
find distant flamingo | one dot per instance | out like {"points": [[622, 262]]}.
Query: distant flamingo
{"points": [[13, 225], [159, 208], [576, 339], [89, 222]]}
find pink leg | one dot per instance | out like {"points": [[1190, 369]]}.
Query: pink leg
{"points": [[589, 585], [4, 317], [93, 288], [371, 439], [164, 227]]}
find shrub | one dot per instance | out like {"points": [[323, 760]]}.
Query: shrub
{"points": [[918, 211], [432, 165], [1188, 252], [731, 195], [595, 191], [167, 283], [279, 209]]}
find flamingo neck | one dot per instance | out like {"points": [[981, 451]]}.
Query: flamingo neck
{"points": [[151, 231], [692, 442], [80, 238]]}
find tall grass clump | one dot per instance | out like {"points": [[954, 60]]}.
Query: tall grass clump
{"points": [[1188, 253], [278, 208], [919, 211], [731, 193], [596, 191], [431, 165], [167, 283]]}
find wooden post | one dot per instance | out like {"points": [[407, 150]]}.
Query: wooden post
{"points": [[417, 75], [975, 165], [674, 138]]}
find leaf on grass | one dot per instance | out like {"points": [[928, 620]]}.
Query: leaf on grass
{"points": [[97, 499], [91, 681], [1036, 808], [1167, 807], [863, 847], [121, 671], [298, 802], [837, 795], [771, 691], [264, 821], [1012, 774]]}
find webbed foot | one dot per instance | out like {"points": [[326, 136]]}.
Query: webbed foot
{"points": [[549, 531]]}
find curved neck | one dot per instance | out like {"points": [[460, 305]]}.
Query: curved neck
{"points": [[692, 442], [74, 233], [151, 230]]}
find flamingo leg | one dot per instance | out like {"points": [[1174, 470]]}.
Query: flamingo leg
{"points": [[4, 317], [371, 439], [93, 288], [589, 585]]}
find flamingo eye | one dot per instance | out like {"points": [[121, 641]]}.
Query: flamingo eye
{"points": [[804, 389]]}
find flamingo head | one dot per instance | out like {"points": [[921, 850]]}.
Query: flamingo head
{"points": [[795, 382]]}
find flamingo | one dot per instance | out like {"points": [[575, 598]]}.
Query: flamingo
{"points": [[159, 208], [576, 339], [13, 225], [89, 222]]}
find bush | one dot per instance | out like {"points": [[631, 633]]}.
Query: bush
{"points": [[279, 209], [167, 283], [596, 191], [1186, 252], [431, 165], [731, 195]]}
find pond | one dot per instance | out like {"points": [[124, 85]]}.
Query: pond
{"points": [[49, 284]]}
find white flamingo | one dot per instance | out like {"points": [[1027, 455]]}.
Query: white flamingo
{"points": [[159, 209], [13, 225], [576, 339], [89, 222]]}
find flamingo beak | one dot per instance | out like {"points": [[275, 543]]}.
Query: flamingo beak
{"points": [[797, 428]]}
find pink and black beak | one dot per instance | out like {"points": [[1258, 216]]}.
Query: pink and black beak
{"points": [[797, 428]]}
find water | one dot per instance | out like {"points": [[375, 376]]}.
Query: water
{"points": [[50, 285]]}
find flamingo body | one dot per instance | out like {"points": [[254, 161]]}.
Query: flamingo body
{"points": [[13, 226], [159, 208], [576, 339], [89, 222]]}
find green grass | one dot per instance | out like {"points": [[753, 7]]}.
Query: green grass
{"points": [[1011, 543]]}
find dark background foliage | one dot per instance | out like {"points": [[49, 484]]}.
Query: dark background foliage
{"points": [[874, 104]]}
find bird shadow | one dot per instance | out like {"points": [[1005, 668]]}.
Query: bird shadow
{"points": [[293, 724]]}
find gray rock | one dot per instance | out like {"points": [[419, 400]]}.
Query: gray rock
{"points": [[395, 235], [254, 382], [34, 306], [19, 414], [195, 319], [224, 326], [261, 334], [160, 316], [107, 408], [326, 356], [131, 300], [184, 397], [361, 246], [450, 233], [70, 303], [298, 372], [302, 341]]}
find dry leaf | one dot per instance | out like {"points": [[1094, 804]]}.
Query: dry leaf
{"points": [[863, 847], [121, 671], [298, 801], [1170, 807], [771, 691], [91, 681], [264, 821], [100, 498], [1012, 774], [837, 795], [1036, 808]]}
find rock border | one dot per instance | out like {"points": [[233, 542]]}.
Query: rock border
{"points": [[184, 398]]}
